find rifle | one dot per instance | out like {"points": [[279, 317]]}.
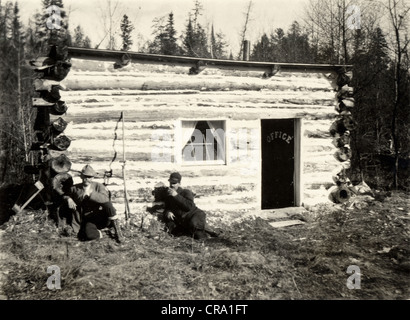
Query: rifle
{"points": [[127, 207]]}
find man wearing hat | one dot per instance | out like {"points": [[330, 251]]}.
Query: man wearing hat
{"points": [[90, 201], [181, 214]]}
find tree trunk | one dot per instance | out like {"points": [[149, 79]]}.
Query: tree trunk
{"points": [[394, 120], [19, 104]]}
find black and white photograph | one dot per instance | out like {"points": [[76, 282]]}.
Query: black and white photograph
{"points": [[203, 158]]}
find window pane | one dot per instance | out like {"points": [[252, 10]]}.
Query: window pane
{"points": [[203, 141]]}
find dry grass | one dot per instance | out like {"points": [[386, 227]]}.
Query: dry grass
{"points": [[249, 260]]}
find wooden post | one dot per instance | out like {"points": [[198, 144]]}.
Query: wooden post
{"points": [[127, 207]]}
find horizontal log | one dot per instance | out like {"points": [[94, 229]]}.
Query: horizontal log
{"points": [[39, 102], [235, 173], [145, 130], [141, 107], [198, 99], [142, 171], [178, 95], [156, 113], [139, 72], [112, 55], [163, 153], [188, 83]]}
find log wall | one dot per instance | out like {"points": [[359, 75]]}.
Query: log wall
{"points": [[153, 100]]}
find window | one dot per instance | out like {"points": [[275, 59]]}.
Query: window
{"points": [[203, 142]]}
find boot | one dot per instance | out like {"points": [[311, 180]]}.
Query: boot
{"points": [[213, 233], [117, 230]]}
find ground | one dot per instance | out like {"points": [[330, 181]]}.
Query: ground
{"points": [[250, 260]]}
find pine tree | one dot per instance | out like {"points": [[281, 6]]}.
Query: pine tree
{"points": [[195, 41], [297, 45], [165, 41], [218, 45], [79, 39], [16, 111], [278, 46], [158, 27], [293, 47], [201, 42], [262, 50], [126, 30], [49, 27], [170, 46], [373, 91], [87, 42], [189, 40], [197, 11]]}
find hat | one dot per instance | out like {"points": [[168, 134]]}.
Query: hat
{"points": [[88, 171], [175, 177]]}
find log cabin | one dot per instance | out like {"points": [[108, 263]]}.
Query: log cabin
{"points": [[246, 136]]}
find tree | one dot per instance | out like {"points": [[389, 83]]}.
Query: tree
{"points": [[79, 39], [373, 90], [15, 98], [278, 40], [399, 16], [218, 45], [159, 31], [292, 47], [195, 40], [377, 112], [296, 45], [110, 19], [201, 43], [331, 27], [197, 11], [165, 41], [170, 46], [126, 29], [189, 39], [262, 50], [48, 27]]}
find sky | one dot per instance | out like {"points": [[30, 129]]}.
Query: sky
{"points": [[227, 16]]}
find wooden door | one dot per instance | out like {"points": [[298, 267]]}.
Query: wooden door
{"points": [[278, 163]]}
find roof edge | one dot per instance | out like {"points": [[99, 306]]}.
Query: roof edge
{"points": [[147, 58]]}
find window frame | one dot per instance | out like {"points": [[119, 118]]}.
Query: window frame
{"points": [[179, 144]]}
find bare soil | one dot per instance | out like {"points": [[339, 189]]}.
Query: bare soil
{"points": [[250, 260]]}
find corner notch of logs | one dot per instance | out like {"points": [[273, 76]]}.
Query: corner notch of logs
{"points": [[271, 72], [340, 132], [50, 143], [197, 68]]}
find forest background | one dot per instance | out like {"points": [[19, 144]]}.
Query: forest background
{"points": [[372, 36]]}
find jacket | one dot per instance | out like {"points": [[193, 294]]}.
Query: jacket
{"points": [[99, 195], [182, 205]]}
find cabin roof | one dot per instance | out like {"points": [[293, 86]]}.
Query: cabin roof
{"points": [[145, 58]]}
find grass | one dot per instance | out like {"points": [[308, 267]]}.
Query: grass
{"points": [[250, 260]]}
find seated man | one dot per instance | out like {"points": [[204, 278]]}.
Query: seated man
{"points": [[90, 205], [181, 214]]}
